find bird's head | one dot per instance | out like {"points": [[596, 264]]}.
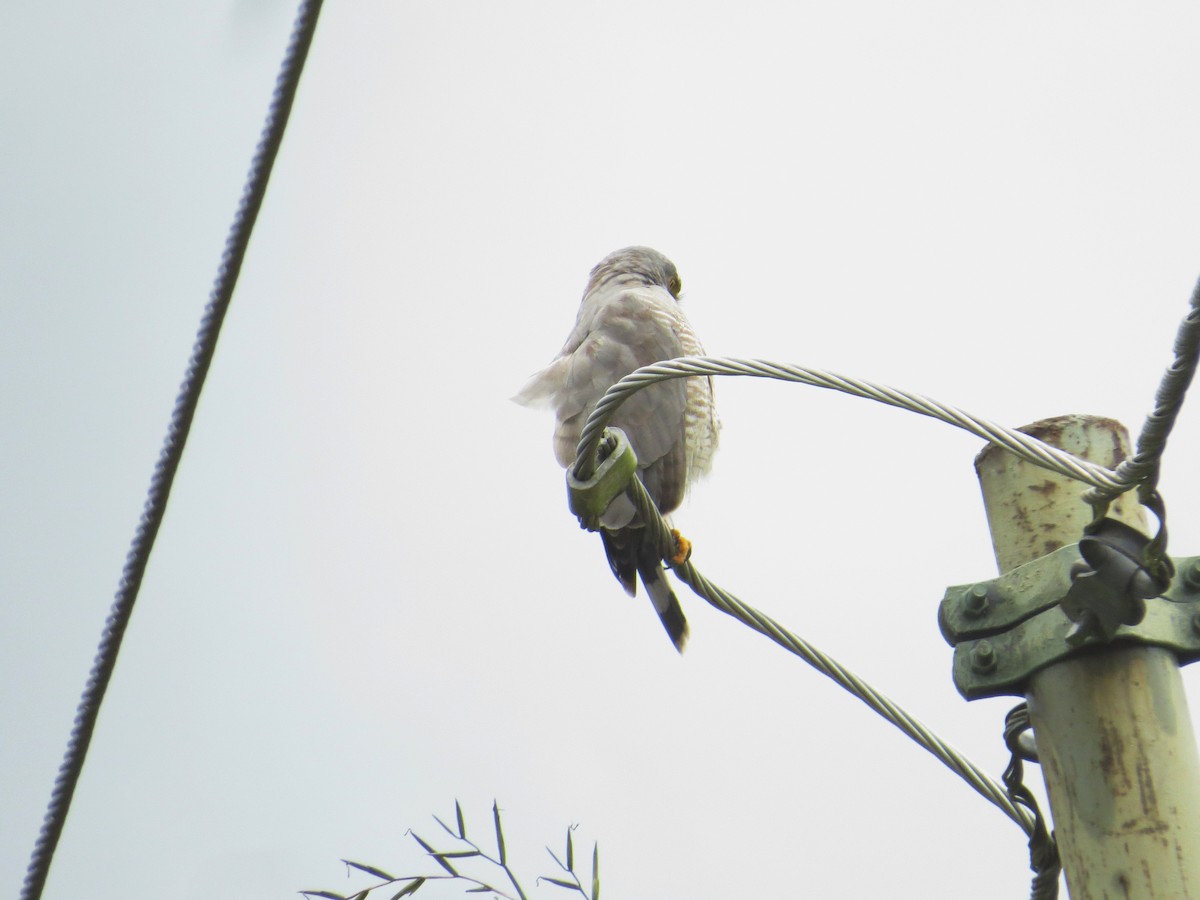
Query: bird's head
{"points": [[636, 265]]}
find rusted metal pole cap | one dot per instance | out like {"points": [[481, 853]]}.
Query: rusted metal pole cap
{"points": [[1032, 511]]}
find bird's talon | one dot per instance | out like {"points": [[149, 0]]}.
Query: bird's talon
{"points": [[683, 548]]}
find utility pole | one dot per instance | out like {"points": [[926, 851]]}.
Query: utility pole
{"points": [[1110, 720]]}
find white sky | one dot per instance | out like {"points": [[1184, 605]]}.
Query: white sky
{"points": [[368, 597]]}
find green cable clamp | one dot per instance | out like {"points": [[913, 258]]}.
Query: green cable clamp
{"points": [[588, 499], [1005, 629]]}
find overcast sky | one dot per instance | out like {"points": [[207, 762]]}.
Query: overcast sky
{"points": [[368, 597]]}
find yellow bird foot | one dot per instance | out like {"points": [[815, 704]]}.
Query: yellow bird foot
{"points": [[683, 548]]}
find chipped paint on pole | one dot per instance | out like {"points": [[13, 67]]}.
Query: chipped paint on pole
{"points": [[1112, 727]]}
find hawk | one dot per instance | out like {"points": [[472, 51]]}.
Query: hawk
{"points": [[630, 317]]}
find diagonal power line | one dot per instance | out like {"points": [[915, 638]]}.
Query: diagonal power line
{"points": [[165, 468]]}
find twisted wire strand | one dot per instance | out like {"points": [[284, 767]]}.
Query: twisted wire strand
{"points": [[1168, 399], [727, 603], [1043, 849], [1023, 445], [172, 450]]}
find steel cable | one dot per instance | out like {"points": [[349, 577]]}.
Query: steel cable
{"points": [[1043, 849], [727, 603], [1168, 399], [169, 457], [1024, 446], [1106, 485]]}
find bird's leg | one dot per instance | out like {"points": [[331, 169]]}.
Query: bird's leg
{"points": [[683, 548]]}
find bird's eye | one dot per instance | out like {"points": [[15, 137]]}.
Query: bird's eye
{"points": [[675, 286]]}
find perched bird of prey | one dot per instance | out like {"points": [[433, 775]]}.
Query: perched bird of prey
{"points": [[630, 317]]}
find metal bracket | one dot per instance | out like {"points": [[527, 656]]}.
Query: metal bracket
{"points": [[1111, 589], [1006, 629], [588, 499]]}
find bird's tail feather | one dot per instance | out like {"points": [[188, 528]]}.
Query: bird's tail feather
{"points": [[631, 555], [622, 548], [666, 604]]}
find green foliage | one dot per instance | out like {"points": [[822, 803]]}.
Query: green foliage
{"points": [[468, 849]]}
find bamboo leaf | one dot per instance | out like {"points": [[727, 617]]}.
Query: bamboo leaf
{"points": [[428, 848], [370, 870], [499, 833], [462, 825], [561, 882], [570, 850], [596, 871], [438, 856], [445, 827], [324, 895], [445, 865], [409, 889]]}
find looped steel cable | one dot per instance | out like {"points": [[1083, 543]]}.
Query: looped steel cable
{"points": [[1142, 469], [1155, 559], [165, 468], [1023, 445], [1143, 466], [1043, 849]]}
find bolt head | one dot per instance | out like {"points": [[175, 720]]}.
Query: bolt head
{"points": [[983, 657], [975, 600], [1191, 575]]}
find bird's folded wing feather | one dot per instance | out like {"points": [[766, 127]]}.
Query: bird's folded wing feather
{"points": [[615, 335]]}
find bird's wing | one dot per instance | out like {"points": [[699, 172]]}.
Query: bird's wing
{"points": [[630, 329]]}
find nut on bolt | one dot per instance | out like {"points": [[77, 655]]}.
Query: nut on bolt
{"points": [[983, 657], [975, 600], [1191, 575]]}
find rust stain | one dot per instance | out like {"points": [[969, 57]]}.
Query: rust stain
{"points": [[1021, 517], [1146, 790], [1112, 759], [1118, 451], [1046, 488]]}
